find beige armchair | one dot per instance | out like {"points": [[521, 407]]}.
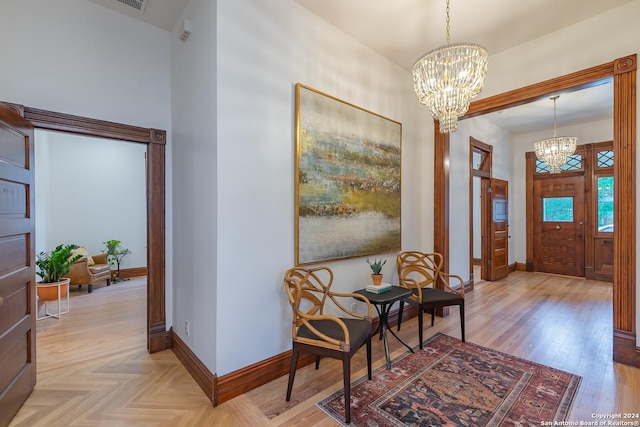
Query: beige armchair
{"points": [[81, 273]]}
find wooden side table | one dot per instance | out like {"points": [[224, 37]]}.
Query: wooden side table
{"points": [[383, 302]]}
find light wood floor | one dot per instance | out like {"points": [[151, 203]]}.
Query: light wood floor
{"points": [[94, 369]]}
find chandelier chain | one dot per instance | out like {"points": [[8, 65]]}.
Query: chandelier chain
{"points": [[555, 98], [448, 26]]}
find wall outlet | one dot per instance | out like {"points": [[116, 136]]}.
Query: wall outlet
{"points": [[187, 327]]}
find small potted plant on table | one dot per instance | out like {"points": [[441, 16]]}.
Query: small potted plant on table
{"points": [[376, 268]]}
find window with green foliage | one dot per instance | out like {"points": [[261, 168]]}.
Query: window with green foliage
{"points": [[557, 209], [605, 204]]}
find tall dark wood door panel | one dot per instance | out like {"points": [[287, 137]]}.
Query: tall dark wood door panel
{"points": [[17, 273], [559, 225], [498, 199]]}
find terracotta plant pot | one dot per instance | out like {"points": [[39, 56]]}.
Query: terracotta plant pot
{"points": [[49, 291], [376, 279]]}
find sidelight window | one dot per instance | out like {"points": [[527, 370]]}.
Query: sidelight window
{"points": [[605, 204], [557, 209]]}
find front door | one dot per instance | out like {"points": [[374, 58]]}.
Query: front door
{"points": [[559, 225], [17, 272], [498, 200]]}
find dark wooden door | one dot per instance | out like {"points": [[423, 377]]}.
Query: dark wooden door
{"points": [[497, 197], [17, 273], [559, 225]]}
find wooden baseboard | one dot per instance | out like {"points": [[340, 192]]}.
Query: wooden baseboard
{"points": [[226, 387], [157, 340], [127, 273], [243, 380], [624, 347], [520, 266], [477, 261], [530, 265], [200, 373]]}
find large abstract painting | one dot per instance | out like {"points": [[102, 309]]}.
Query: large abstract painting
{"points": [[347, 180]]}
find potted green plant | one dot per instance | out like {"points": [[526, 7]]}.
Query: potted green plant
{"points": [[376, 268], [51, 267], [115, 252]]}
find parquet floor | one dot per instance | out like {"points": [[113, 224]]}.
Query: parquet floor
{"points": [[94, 369]]}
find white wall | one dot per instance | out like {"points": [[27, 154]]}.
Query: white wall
{"points": [[94, 190], [195, 184], [80, 58], [263, 49]]}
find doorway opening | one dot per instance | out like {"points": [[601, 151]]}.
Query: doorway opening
{"points": [[155, 141], [623, 73], [480, 165]]}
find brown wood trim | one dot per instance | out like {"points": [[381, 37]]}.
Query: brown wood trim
{"points": [[637, 357], [589, 272], [156, 147], [19, 109], [530, 167], [623, 72], [441, 195], [127, 273], [521, 266], [590, 208], [582, 79], [624, 217], [155, 240], [245, 379], [200, 373], [51, 120], [624, 344], [169, 338]]}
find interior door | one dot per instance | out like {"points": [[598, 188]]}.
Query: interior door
{"points": [[17, 272], [559, 225], [497, 209]]}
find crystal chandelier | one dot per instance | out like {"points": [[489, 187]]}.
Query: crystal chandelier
{"points": [[447, 78], [554, 151]]}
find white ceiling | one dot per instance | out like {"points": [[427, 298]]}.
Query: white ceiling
{"points": [[403, 30]]}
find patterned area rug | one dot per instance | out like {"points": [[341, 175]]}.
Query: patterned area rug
{"points": [[451, 383]]}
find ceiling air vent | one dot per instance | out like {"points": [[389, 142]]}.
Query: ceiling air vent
{"points": [[140, 5]]}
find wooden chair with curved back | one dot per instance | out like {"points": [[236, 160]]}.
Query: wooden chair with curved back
{"points": [[422, 274], [315, 331]]}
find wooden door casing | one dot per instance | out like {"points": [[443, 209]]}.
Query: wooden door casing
{"points": [[17, 271], [559, 245]]}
